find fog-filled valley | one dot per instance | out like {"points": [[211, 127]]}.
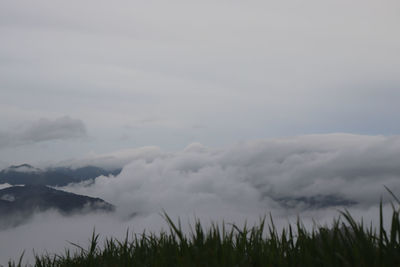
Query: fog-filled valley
{"points": [[308, 176]]}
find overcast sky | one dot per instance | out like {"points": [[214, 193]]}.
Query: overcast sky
{"points": [[81, 77]]}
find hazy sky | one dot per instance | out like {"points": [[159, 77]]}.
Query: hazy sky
{"points": [[81, 77]]}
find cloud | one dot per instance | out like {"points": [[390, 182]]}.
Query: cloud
{"points": [[113, 160], [2, 186], [256, 175], [58, 129], [62, 128], [252, 70], [235, 183]]}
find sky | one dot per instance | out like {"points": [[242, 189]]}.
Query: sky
{"points": [[87, 77], [216, 109]]}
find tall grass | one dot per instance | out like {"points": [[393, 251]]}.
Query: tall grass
{"points": [[345, 243]]}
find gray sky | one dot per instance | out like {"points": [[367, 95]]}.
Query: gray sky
{"points": [[84, 77]]}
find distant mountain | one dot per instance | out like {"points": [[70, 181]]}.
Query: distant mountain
{"points": [[22, 168], [315, 202], [57, 176], [18, 203]]}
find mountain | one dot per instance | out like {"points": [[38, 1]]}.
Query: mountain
{"points": [[56, 176], [18, 203], [22, 168], [315, 202]]}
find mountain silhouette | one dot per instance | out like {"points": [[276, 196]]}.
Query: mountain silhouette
{"points": [[18, 203], [26, 174]]}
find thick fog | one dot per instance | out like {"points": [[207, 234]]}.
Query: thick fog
{"points": [[240, 182]]}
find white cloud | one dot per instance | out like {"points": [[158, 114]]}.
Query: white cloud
{"points": [[113, 160], [253, 174], [2, 186]]}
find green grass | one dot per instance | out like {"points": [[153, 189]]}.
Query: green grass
{"points": [[345, 243]]}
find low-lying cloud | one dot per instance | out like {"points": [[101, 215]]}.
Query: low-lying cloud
{"points": [[255, 174], [62, 128], [236, 183], [113, 160]]}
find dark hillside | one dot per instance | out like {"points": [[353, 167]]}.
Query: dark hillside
{"points": [[28, 199], [59, 176]]}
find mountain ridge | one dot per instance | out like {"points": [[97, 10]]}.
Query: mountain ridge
{"points": [[19, 203], [53, 176]]}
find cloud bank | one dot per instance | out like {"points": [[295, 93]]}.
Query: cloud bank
{"points": [[234, 183], [113, 160], [256, 174]]}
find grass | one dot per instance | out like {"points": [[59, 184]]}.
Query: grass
{"points": [[346, 243]]}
